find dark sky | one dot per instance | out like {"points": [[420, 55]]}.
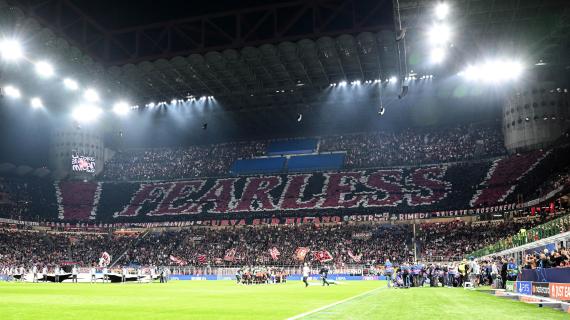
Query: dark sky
{"points": [[115, 14]]}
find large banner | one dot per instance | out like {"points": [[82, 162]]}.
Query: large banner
{"points": [[82, 164], [417, 193]]}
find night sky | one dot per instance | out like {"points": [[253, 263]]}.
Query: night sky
{"points": [[124, 13]]}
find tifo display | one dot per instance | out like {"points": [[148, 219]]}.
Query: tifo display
{"points": [[347, 159]]}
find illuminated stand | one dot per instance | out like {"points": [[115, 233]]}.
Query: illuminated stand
{"points": [[82, 142]]}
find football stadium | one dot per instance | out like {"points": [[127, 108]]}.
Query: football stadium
{"points": [[292, 159]]}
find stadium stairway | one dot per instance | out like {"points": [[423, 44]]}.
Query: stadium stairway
{"points": [[133, 245]]}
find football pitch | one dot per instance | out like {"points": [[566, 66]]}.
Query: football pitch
{"points": [[226, 300]]}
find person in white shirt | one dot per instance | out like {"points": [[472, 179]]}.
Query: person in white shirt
{"points": [[22, 272], [34, 273], [124, 274], [306, 272], [74, 273], [56, 273], [45, 273], [152, 273], [140, 275], [93, 273], [105, 274]]}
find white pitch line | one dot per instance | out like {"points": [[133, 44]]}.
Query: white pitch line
{"points": [[332, 304]]}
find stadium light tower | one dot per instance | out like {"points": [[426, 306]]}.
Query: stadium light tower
{"points": [[121, 108], [36, 103], [70, 84], [441, 10], [44, 69], [11, 50], [12, 92]]}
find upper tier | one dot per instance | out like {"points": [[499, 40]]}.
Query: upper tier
{"points": [[363, 150]]}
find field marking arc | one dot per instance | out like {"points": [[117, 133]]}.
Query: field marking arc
{"points": [[299, 316]]}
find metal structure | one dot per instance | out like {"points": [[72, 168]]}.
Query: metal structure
{"points": [[530, 29], [284, 54], [289, 21]]}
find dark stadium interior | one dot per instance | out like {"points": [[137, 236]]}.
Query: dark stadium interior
{"points": [[412, 142]]}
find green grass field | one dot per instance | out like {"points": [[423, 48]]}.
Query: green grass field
{"points": [[225, 300]]}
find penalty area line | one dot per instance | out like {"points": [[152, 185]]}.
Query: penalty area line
{"points": [[299, 316]]}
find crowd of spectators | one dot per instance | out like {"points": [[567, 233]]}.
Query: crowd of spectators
{"points": [[415, 146], [251, 244], [26, 198], [371, 149], [452, 240], [176, 163], [347, 243]]}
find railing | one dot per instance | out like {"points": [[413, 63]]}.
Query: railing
{"points": [[548, 229]]}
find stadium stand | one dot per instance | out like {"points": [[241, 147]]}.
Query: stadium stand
{"points": [[259, 165], [292, 146], [318, 162], [418, 189], [365, 150], [347, 243]]}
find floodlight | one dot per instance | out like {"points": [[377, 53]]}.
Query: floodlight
{"points": [[342, 83], [121, 108], [10, 49], [44, 69], [151, 105], [494, 71], [441, 10], [173, 101], [70, 84], [437, 55], [91, 95], [36, 103], [12, 92], [86, 113], [393, 79], [439, 34]]}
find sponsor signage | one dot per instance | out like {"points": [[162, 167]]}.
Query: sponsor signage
{"points": [[510, 286], [560, 291], [523, 287], [541, 289]]}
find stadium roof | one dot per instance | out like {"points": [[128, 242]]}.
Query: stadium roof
{"points": [[286, 52]]}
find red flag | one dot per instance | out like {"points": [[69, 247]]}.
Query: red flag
{"points": [[202, 258], [230, 254], [178, 261], [274, 252], [300, 253], [322, 256], [354, 257]]}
